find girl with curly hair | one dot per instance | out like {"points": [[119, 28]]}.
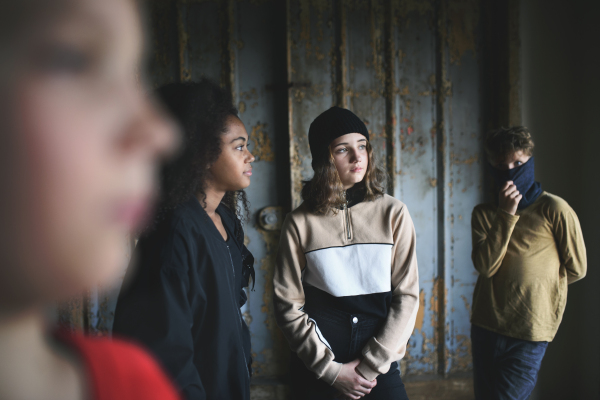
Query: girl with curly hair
{"points": [[183, 300], [346, 281]]}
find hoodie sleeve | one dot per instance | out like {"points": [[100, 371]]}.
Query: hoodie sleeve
{"points": [[390, 342], [490, 240], [288, 300], [569, 242]]}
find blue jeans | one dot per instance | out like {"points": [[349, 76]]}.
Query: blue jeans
{"points": [[504, 368], [347, 334]]}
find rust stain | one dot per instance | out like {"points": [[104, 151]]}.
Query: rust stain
{"points": [[404, 91], [433, 182], [468, 161], [305, 21], [251, 94], [276, 356], [462, 356], [421, 312], [247, 317], [463, 20], [262, 149], [467, 304], [242, 107]]}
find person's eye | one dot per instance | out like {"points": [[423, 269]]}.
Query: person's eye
{"points": [[342, 150], [362, 147], [519, 163], [240, 148], [64, 60]]}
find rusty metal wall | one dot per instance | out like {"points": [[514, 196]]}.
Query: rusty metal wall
{"points": [[411, 69]]}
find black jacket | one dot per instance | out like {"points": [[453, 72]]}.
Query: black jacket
{"points": [[182, 299]]}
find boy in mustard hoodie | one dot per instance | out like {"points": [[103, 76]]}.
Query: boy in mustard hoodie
{"points": [[527, 247]]}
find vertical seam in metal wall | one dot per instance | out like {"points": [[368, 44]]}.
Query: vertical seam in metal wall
{"points": [[184, 72], [441, 27], [340, 69], [514, 65], [290, 95], [390, 83], [227, 50]]}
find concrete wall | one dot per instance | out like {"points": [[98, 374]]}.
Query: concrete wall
{"points": [[561, 87]]}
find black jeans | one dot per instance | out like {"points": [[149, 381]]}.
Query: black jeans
{"points": [[347, 334], [504, 368]]}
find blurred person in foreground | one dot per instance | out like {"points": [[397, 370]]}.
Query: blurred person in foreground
{"points": [[527, 247], [79, 145]]}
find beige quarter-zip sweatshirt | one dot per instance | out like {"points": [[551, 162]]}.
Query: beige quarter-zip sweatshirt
{"points": [[357, 256]]}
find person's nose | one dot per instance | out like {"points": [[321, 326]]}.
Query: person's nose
{"points": [[355, 157], [250, 158]]}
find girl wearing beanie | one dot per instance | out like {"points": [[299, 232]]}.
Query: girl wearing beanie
{"points": [[346, 283]]}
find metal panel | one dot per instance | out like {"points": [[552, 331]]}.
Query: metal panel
{"points": [[463, 171], [411, 69], [416, 174]]}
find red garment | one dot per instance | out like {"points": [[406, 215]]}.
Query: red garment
{"points": [[118, 370]]}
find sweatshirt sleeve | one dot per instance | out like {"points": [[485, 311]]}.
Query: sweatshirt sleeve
{"points": [[569, 240], [155, 311], [390, 342], [288, 301], [490, 241]]}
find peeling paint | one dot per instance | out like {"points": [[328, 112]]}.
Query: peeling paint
{"points": [[464, 18], [421, 312], [275, 358], [467, 161], [262, 149]]}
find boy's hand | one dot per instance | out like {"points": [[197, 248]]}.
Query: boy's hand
{"points": [[509, 198], [351, 384]]}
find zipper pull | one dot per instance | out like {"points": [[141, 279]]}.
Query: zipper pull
{"points": [[348, 233]]}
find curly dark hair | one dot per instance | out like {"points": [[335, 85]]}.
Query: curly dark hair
{"points": [[325, 192], [503, 141], [201, 109]]}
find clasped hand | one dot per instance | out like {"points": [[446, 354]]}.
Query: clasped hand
{"points": [[351, 384]]}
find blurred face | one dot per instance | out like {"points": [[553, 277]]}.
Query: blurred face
{"points": [[88, 143], [351, 158], [233, 169], [511, 160]]}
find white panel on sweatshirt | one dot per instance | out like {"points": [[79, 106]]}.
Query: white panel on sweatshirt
{"points": [[352, 270]]}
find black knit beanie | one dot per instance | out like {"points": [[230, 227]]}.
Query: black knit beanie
{"points": [[329, 126]]}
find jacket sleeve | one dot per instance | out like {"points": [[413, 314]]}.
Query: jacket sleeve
{"points": [[390, 342], [155, 311], [288, 301], [490, 242], [571, 248]]}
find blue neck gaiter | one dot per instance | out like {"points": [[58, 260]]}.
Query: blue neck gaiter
{"points": [[523, 177]]}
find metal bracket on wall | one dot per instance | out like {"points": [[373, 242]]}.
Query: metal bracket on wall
{"points": [[271, 218]]}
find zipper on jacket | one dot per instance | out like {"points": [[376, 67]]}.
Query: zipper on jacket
{"points": [[348, 232]]}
